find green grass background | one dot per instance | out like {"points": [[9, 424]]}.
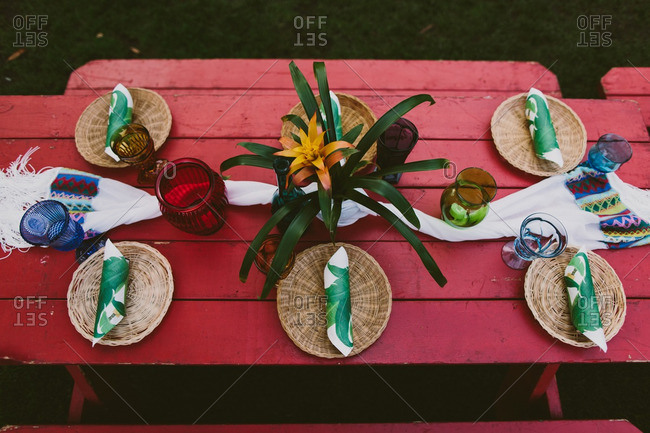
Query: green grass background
{"points": [[487, 30]]}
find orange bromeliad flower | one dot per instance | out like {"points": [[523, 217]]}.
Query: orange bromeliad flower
{"points": [[311, 156]]}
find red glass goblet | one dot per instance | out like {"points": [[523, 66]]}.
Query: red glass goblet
{"points": [[192, 196]]}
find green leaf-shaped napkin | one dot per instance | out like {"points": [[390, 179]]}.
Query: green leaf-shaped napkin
{"points": [[119, 114], [582, 299], [339, 310], [112, 291], [541, 128], [336, 113]]}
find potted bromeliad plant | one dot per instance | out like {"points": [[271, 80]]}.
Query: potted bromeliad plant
{"points": [[315, 155]]}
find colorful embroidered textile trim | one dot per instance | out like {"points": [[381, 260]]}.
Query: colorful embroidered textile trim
{"points": [[621, 227], [76, 190]]}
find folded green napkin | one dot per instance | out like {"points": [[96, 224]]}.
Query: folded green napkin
{"points": [[112, 291], [339, 309], [582, 299], [336, 113], [541, 128], [119, 114]]}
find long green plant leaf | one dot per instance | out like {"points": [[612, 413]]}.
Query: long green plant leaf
{"points": [[382, 124], [387, 191], [260, 149], [352, 134], [324, 89], [249, 160], [254, 246], [334, 218], [325, 206], [296, 120], [287, 244], [410, 167], [412, 239], [305, 93]]}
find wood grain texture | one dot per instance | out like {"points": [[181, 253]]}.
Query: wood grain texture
{"points": [[629, 84], [210, 116], [214, 318], [585, 426], [489, 77], [463, 153], [626, 81], [210, 271], [247, 332], [643, 101]]}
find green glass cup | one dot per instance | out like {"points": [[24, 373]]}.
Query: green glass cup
{"points": [[465, 203]]}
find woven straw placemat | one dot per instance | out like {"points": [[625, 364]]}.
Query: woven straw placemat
{"points": [[302, 300], [353, 112], [513, 141], [149, 109], [546, 296], [148, 294]]}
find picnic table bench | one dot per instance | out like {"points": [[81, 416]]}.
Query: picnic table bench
{"points": [[359, 77], [216, 320], [629, 83]]}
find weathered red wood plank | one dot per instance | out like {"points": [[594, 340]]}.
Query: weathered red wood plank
{"points": [[626, 81], [209, 270], [585, 426], [643, 101], [459, 76], [361, 93], [258, 117], [247, 332], [629, 84], [463, 153]]}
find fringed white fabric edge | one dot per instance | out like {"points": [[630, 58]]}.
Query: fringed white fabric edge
{"points": [[21, 186]]}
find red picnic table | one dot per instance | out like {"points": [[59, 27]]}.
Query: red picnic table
{"points": [[479, 317], [629, 83]]}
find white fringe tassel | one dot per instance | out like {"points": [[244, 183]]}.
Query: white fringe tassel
{"points": [[21, 186]]}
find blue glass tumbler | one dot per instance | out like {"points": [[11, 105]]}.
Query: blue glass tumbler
{"points": [[48, 223], [541, 236], [609, 153]]}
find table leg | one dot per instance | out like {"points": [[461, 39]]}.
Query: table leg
{"points": [[553, 400], [529, 392], [81, 392]]}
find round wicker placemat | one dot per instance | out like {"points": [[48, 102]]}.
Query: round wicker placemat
{"points": [[149, 109], [302, 301], [353, 112], [148, 295], [513, 141], [546, 296]]}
